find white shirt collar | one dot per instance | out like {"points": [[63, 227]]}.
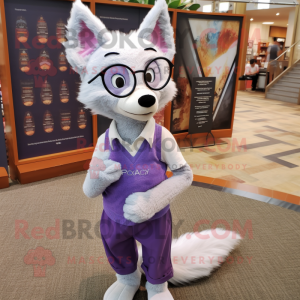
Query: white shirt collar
{"points": [[147, 134]]}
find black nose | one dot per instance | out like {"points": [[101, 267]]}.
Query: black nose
{"points": [[147, 101]]}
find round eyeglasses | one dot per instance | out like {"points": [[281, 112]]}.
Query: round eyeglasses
{"points": [[120, 81]]}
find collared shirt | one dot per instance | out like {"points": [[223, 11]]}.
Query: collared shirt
{"points": [[170, 152], [147, 134]]}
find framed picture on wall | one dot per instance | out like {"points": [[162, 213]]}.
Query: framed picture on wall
{"points": [[207, 46]]}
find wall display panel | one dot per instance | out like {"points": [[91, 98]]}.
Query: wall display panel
{"points": [[48, 117], [207, 46], [124, 19]]}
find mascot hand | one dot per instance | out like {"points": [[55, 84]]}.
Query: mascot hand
{"points": [[101, 174], [107, 170], [112, 171], [138, 207]]}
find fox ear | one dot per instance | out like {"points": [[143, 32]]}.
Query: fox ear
{"points": [[86, 33], [157, 28]]}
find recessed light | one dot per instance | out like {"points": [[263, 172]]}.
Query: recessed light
{"points": [[266, 23], [287, 24], [251, 19], [277, 14]]}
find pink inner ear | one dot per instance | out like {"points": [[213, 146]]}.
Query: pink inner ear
{"points": [[158, 40], [87, 40]]}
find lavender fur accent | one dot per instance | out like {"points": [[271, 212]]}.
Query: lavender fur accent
{"points": [[87, 39]]}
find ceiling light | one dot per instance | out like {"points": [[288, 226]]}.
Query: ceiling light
{"points": [[251, 19], [287, 24], [266, 23], [277, 14]]}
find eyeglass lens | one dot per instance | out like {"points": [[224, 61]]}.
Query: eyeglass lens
{"points": [[120, 81], [157, 74]]}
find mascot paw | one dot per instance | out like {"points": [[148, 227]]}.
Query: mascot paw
{"points": [[120, 291], [124, 288], [112, 170], [138, 208], [158, 291], [105, 169]]}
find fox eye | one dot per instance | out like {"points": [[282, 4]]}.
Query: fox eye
{"points": [[118, 81], [150, 76]]}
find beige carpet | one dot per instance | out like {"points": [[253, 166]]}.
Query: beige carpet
{"points": [[269, 270]]}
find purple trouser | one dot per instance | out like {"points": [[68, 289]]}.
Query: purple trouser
{"points": [[155, 237]]}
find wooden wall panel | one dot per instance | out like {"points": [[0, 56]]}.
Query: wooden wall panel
{"points": [[4, 182], [279, 32]]}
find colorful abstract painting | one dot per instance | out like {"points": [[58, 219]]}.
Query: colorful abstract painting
{"points": [[211, 47], [216, 43], [182, 103]]}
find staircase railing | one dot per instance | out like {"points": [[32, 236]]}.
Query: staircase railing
{"points": [[277, 68], [293, 51]]}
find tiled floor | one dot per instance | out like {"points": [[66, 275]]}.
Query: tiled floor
{"points": [[263, 152]]}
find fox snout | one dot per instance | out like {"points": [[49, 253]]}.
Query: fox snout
{"points": [[141, 105]]}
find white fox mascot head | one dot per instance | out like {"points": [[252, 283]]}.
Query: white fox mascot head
{"points": [[122, 74]]}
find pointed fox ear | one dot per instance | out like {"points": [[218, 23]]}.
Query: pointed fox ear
{"points": [[157, 28], [86, 33]]}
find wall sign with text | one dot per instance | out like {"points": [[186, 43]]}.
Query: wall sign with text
{"points": [[203, 89]]}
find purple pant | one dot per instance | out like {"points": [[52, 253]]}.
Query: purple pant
{"points": [[155, 237]]}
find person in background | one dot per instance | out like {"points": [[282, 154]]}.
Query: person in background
{"points": [[273, 50], [252, 70], [273, 53]]}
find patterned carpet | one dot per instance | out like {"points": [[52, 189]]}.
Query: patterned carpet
{"points": [[264, 150], [71, 265]]}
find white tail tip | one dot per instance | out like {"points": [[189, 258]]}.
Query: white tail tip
{"points": [[196, 255]]}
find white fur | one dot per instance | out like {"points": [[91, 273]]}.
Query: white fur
{"points": [[128, 104], [124, 288], [120, 291], [159, 13], [79, 13], [132, 279], [141, 206], [158, 291], [188, 248]]}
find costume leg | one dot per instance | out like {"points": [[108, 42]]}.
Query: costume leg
{"points": [[121, 252], [156, 238]]}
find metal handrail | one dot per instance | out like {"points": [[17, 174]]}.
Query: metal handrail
{"points": [[286, 50]]}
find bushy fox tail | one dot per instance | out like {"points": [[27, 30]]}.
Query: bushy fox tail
{"points": [[195, 255]]}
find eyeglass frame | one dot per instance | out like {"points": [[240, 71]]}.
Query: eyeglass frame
{"points": [[102, 73]]}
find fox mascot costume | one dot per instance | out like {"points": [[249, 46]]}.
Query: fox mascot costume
{"points": [[128, 78]]}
